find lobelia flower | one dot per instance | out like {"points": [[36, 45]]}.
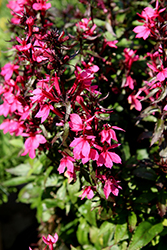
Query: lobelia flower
{"points": [[76, 123], [8, 69], [101, 5], [12, 127], [18, 8], [70, 176], [130, 57], [108, 133], [142, 31], [41, 5], [135, 103], [81, 146], [11, 103], [148, 14], [24, 46], [107, 158], [66, 161], [162, 71], [165, 108], [129, 82], [44, 111], [84, 27], [93, 155], [110, 185], [32, 143], [50, 240], [109, 43], [87, 192]]}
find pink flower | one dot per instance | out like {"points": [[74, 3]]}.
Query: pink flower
{"points": [[84, 27], [142, 31], [76, 123], [109, 43], [133, 100], [148, 14], [32, 143], [162, 72], [12, 127], [93, 155], [44, 112], [87, 192], [108, 133], [165, 108], [107, 158], [81, 147], [24, 46], [111, 186], [129, 82], [130, 57], [50, 240], [41, 5], [7, 70], [101, 5], [70, 176], [66, 161]]}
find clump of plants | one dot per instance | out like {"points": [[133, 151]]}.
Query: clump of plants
{"points": [[88, 100]]}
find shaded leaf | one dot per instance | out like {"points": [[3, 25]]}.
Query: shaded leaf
{"points": [[145, 173], [159, 128], [132, 221]]}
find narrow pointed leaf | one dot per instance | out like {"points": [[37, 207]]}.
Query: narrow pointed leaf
{"points": [[159, 128]]}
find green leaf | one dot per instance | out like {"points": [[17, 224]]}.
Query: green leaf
{"points": [[49, 203], [72, 190], [99, 22], [142, 154], [120, 232], [164, 222], [132, 221], [159, 128], [89, 247], [73, 248], [149, 110], [20, 170], [151, 93], [89, 215], [144, 233], [68, 110], [163, 154], [82, 232], [17, 142], [107, 230], [94, 235], [18, 180], [150, 118]]}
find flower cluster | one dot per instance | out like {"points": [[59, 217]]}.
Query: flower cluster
{"points": [[42, 104]]}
